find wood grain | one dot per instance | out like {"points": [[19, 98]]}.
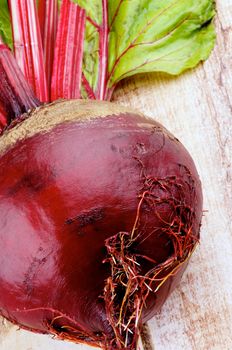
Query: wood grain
{"points": [[197, 108]]}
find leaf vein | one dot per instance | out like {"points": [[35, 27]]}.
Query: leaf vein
{"points": [[132, 44]]}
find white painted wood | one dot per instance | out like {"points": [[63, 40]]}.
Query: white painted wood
{"points": [[197, 108], [11, 338]]}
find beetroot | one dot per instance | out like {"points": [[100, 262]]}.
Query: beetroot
{"points": [[100, 211]]}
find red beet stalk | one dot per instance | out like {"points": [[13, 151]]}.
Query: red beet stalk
{"points": [[48, 19], [3, 114], [3, 118], [67, 68], [28, 45], [16, 95], [103, 51], [88, 88]]}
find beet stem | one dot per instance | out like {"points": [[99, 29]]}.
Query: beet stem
{"points": [[88, 88], [48, 19], [103, 51], [16, 95], [3, 118], [67, 68], [28, 45]]}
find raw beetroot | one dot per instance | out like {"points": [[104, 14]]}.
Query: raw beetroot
{"points": [[100, 211]]}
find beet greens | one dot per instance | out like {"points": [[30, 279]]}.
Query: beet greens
{"points": [[100, 42]]}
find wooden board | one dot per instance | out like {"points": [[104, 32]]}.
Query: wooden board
{"points": [[197, 108]]}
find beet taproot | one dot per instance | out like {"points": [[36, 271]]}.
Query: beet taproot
{"points": [[100, 211]]}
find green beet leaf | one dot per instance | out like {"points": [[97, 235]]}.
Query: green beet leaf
{"points": [[149, 35], [168, 36], [5, 24]]}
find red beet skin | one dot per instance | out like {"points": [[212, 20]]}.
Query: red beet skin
{"points": [[72, 176]]}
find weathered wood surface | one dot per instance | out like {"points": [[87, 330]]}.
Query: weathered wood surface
{"points": [[197, 108]]}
